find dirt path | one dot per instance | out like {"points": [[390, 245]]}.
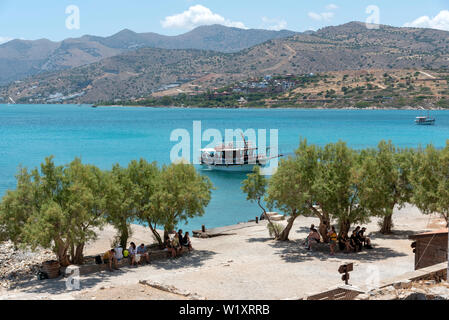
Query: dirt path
{"points": [[283, 61], [427, 74]]}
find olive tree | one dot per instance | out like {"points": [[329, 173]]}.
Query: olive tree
{"points": [[181, 193], [119, 204], [430, 180], [386, 182], [144, 177], [292, 188], [339, 186], [56, 207], [255, 188]]}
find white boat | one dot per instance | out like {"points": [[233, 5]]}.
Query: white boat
{"points": [[425, 120], [233, 157]]}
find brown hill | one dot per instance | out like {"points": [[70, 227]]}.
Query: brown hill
{"points": [[22, 58], [140, 73]]}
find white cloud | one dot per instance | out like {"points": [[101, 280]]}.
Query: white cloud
{"points": [[4, 39], [440, 21], [274, 24], [331, 6], [321, 16], [198, 15]]}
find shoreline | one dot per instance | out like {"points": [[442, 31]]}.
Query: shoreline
{"points": [[408, 108], [240, 265]]}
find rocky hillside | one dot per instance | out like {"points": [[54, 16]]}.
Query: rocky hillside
{"points": [[141, 72], [21, 58]]}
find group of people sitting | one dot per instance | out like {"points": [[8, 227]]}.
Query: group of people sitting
{"points": [[176, 241], [135, 255], [355, 243]]}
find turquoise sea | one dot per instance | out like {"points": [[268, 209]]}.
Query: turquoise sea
{"points": [[107, 135]]}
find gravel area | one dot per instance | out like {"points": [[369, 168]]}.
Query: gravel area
{"points": [[245, 264]]}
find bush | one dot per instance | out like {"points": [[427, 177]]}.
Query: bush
{"points": [[273, 227]]}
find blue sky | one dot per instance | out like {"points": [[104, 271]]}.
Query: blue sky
{"points": [[47, 18]]}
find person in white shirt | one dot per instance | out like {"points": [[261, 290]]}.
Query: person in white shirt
{"points": [[119, 253], [133, 254]]}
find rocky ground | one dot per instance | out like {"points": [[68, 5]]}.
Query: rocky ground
{"points": [[19, 265], [421, 290]]}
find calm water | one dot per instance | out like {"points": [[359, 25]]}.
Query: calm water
{"points": [[104, 136]]}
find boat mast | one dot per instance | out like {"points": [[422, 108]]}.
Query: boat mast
{"points": [[245, 152]]}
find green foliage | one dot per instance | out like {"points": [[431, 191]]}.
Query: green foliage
{"points": [[339, 185], [59, 207], [119, 204], [255, 188], [63, 205], [430, 181], [291, 189], [386, 181], [144, 179], [274, 229], [255, 185], [181, 193]]}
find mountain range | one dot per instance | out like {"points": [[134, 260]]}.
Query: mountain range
{"points": [[140, 72], [23, 58]]}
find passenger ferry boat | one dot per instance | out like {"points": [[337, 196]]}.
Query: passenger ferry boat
{"points": [[425, 120], [234, 157]]}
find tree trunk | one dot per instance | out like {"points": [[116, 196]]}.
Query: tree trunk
{"points": [[284, 235], [266, 216], [61, 253], [345, 225], [78, 258], [387, 224], [124, 235], [324, 227], [156, 235], [324, 222]]}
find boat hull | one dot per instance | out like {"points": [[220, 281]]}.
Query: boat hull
{"points": [[230, 168], [426, 123]]}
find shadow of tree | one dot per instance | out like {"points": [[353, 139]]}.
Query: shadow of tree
{"points": [[259, 240], [303, 230], [193, 259], [396, 234], [59, 286], [294, 251]]}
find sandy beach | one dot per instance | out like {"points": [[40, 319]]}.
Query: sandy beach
{"points": [[245, 264]]}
